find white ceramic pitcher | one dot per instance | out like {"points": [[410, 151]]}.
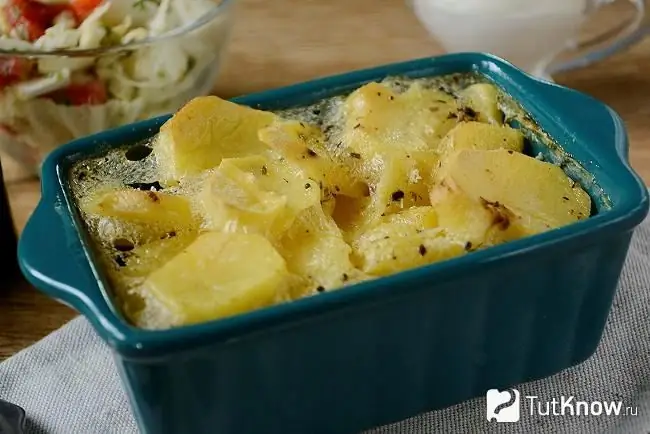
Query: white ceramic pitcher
{"points": [[531, 34]]}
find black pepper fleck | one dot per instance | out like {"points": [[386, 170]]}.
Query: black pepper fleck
{"points": [[170, 234], [264, 170], [565, 198], [345, 277], [397, 195], [307, 186], [355, 155], [468, 246], [320, 289], [422, 250], [311, 153], [119, 260], [356, 126], [153, 196], [469, 112]]}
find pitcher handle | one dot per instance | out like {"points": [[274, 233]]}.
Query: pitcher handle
{"points": [[609, 42]]}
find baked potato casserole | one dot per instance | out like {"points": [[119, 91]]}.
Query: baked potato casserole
{"points": [[231, 208]]}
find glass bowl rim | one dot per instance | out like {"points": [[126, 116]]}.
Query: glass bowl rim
{"points": [[218, 10]]}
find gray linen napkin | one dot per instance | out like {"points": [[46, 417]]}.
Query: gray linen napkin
{"points": [[68, 384]]}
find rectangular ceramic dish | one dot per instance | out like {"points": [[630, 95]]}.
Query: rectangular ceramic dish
{"points": [[383, 350]]}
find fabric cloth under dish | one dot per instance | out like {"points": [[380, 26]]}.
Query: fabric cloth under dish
{"points": [[67, 382]]}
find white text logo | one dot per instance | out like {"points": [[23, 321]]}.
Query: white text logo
{"points": [[503, 406]]}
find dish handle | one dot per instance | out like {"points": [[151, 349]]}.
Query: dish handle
{"points": [[595, 120], [44, 256]]}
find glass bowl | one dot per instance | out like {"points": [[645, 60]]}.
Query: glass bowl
{"points": [[138, 80]]}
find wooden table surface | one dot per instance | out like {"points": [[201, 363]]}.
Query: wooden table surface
{"points": [[286, 41]]}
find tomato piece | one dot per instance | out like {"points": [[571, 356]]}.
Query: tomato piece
{"points": [[30, 18], [83, 8], [87, 93], [13, 69]]}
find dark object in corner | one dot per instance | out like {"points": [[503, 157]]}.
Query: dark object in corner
{"points": [[12, 418], [8, 238]]}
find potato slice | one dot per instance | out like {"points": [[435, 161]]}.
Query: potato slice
{"points": [[314, 249], [256, 194], [525, 196], [468, 220], [274, 174], [420, 217], [153, 213], [129, 268], [218, 275], [399, 187], [304, 145], [484, 99], [478, 136], [392, 247], [396, 137], [205, 131], [379, 120]]}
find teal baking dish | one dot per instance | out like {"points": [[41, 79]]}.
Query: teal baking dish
{"points": [[379, 351]]}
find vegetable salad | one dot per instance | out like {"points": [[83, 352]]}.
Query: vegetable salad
{"points": [[48, 99]]}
